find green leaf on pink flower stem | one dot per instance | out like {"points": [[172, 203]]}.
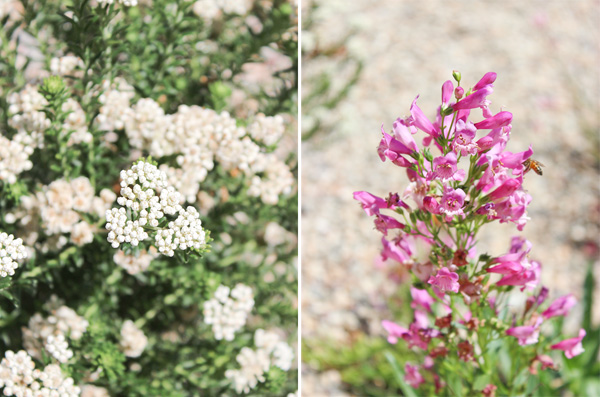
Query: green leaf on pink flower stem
{"points": [[399, 374]]}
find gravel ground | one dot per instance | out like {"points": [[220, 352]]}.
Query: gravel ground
{"points": [[547, 57]]}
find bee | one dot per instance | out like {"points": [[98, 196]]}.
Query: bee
{"points": [[531, 164]]}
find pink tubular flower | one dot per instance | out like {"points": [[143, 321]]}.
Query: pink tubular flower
{"points": [[418, 119], [486, 80], [560, 307], [528, 278], [393, 149], [370, 203], [452, 202], [403, 134], [463, 138], [383, 223], [444, 280], [501, 119], [526, 334], [447, 89], [413, 377], [394, 331], [507, 188], [445, 168], [421, 298], [572, 347], [475, 100], [431, 205], [395, 250]]}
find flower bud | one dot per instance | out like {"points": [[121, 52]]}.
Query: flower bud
{"points": [[456, 75], [459, 92]]}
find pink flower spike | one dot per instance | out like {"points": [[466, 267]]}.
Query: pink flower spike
{"points": [[475, 100], [421, 298], [420, 121], [487, 79], [560, 307], [507, 188], [499, 120], [413, 377], [445, 280], [572, 347], [447, 89], [394, 331], [527, 334], [370, 203]]}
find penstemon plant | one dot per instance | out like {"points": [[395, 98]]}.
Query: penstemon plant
{"points": [[465, 331]]}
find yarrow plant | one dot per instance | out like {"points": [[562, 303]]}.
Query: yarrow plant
{"points": [[148, 204], [463, 320]]}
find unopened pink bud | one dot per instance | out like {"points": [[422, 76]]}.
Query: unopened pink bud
{"points": [[459, 92]]}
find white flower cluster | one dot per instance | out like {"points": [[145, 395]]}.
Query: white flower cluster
{"points": [[133, 340], [227, 314], [11, 251], [267, 130], [26, 116], [68, 65], [56, 209], [19, 378], [50, 332], [183, 233], [14, 159], [127, 3], [93, 391], [76, 123], [213, 9], [58, 347], [139, 192], [135, 264], [115, 99], [270, 350], [199, 137]]}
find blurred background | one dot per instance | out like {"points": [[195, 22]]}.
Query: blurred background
{"points": [[363, 64]]}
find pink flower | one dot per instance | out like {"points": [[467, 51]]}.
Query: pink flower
{"points": [[413, 377], [431, 205], [475, 100], [526, 334], [418, 119], [404, 134], [383, 223], [507, 188], [452, 202], [459, 92], [486, 80], [444, 280], [447, 89], [560, 307], [528, 278], [572, 347], [463, 138], [399, 251], [445, 168], [393, 149], [501, 119], [421, 298], [394, 331], [370, 203]]}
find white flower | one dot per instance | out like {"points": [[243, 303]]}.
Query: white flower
{"points": [[58, 347], [11, 251], [227, 314], [134, 264], [267, 129], [133, 340]]}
